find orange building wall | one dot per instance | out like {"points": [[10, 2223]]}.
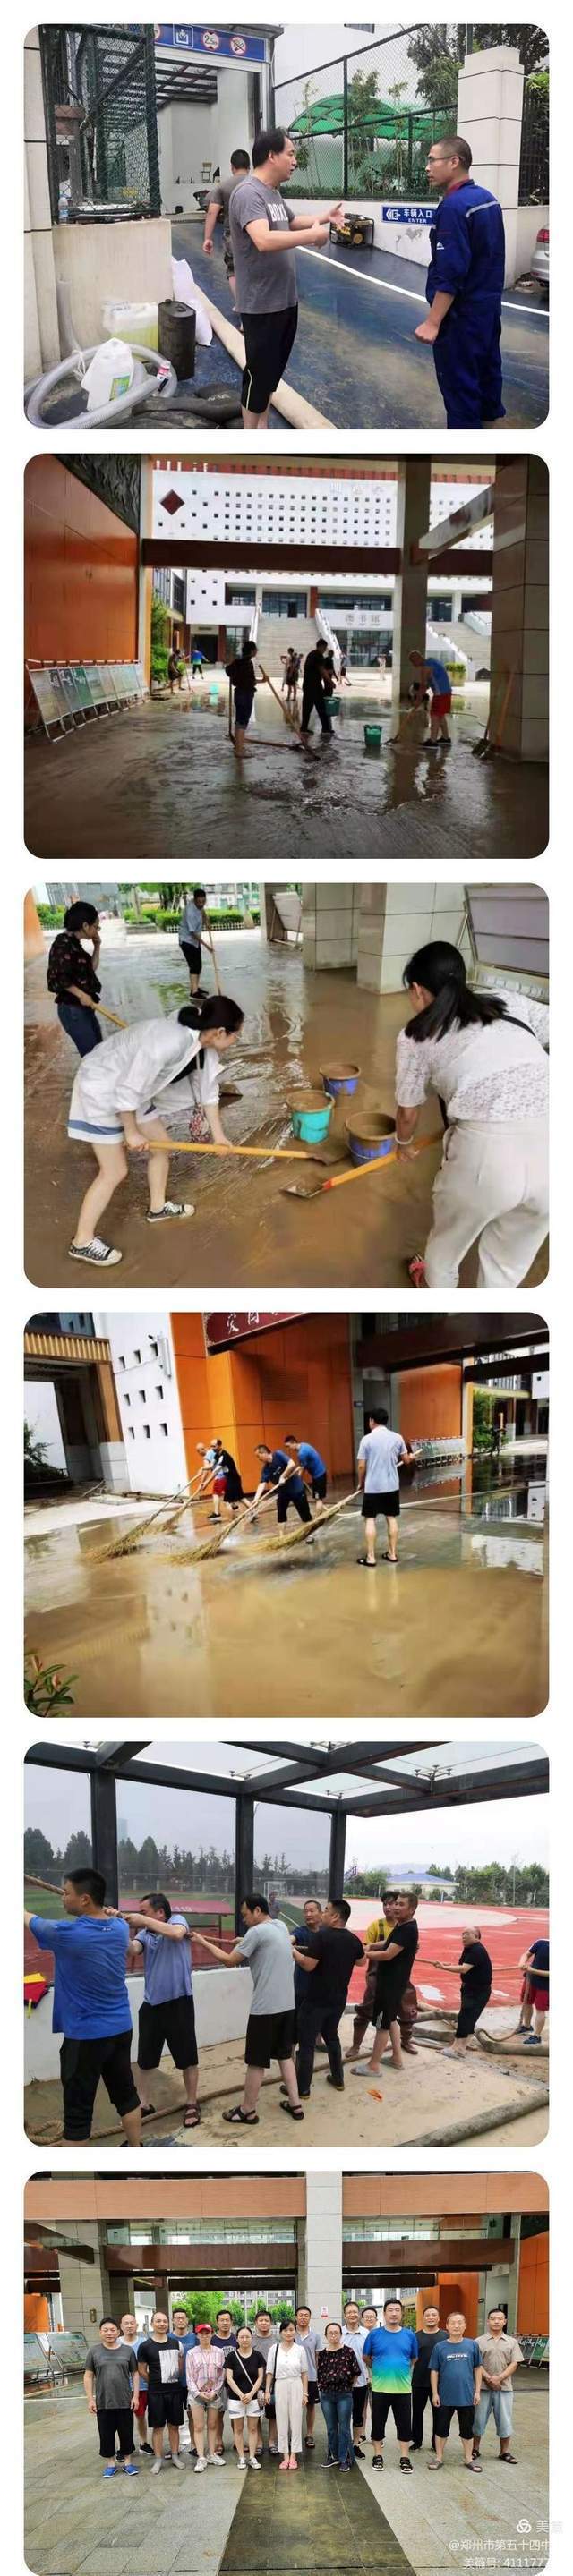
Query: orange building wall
{"points": [[453, 2290], [36, 2313], [533, 2296], [81, 571], [296, 1378], [431, 1403]]}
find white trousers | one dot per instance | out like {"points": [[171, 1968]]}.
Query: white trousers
{"points": [[493, 1185], [288, 2402]]}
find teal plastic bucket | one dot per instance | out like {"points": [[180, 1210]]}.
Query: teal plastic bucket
{"points": [[372, 737], [334, 706], [371, 1139], [310, 1117]]}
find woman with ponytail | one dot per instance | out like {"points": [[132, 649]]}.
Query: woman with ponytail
{"points": [[128, 1093], [483, 1054]]}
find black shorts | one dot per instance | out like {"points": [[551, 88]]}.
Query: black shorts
{"points": [[168, 2025], [443, 2418], [375, 1504], [359, 2405], [229, 259], [313, 2393], [319, 1487], [269, 2035], [399, 2407], [165, 2406], [112, 2420], [268, 341], [301, 1504], [469, 2013], [192, 955], [243, 709], [82, 2063]]}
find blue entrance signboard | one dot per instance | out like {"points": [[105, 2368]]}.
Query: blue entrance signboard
{"points": [[407, 214], [220, 44]]}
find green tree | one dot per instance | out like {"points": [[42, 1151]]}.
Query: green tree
{"points": [[160, 635], [78, 1853], [39, 1859]]}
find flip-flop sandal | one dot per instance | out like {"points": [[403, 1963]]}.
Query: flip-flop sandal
{"points": [[508, 2459], [406, 2467], [308, 2442], [390, 1560], [370, 1561], [238, 2119]]}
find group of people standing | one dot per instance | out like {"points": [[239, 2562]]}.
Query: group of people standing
{"points": [[281, 2372]]}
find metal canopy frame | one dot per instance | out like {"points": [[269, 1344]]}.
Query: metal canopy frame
{"points": [[393, 1792]]}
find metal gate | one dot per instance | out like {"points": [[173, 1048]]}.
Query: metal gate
{"points": [[101, 119], [534, 156]]}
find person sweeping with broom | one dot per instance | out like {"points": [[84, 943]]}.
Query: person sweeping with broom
{"points": [[484, 1055], [125, 1095]]}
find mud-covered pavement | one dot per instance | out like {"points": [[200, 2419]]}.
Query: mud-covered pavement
{"points": [[163, 780], [458, 1629], [244, 1227]]}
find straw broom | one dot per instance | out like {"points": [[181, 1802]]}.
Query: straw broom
{"points": [[308, 1530], [129, 1539], [211, 1546]]}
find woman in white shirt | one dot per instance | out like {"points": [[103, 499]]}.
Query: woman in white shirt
{"points": [[483, 1054], [287, 2385], [158, 1066]]}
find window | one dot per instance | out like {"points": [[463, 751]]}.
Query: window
{"points": [[284, 603], [183, 1841], [164, 1427], [291, 1856], [146, 1431]]}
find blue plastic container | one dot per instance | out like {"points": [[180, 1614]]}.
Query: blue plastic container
{"points": [[340, 1077], [371, 1139], [310, 1117]]}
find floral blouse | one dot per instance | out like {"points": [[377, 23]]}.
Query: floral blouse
{"points": [[337, 2370], [68, 963]]}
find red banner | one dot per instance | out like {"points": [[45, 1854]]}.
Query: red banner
{"points": [[222, 1330]]}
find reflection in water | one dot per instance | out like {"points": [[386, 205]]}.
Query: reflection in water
{"points": [[488, 1488]]}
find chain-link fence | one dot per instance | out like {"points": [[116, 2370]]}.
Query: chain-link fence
{"points": [[101, 119], [534, 156], [359, 123]]}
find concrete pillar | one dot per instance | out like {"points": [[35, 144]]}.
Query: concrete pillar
{"points": [[394, 919], [411, 584], [84, 2286], [42, 339], [270, 925], [520, 607], [330, 926], [34, 941], [320, 2273], [490, 110]]}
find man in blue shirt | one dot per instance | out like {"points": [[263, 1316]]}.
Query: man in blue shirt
{"points": [[91, 2005], [312, 1466], [167, 2016], [456, 2369], [389, 2354], [464, 287], [277, 1469], [434, 676]]}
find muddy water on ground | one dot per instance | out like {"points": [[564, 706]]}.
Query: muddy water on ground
{"points": [[458, 1630]]}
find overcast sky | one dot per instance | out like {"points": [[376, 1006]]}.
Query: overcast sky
{"points": [[504, 1830]]}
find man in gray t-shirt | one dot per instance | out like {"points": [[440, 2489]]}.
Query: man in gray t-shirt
{"points": [[265, 234], [111, 2382], [379, 1458], [218, 203], [266, 1949]]}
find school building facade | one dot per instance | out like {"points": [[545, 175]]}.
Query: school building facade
{"points": [[96, 2244], [125, 1400]]}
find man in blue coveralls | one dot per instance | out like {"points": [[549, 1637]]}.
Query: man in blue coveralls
{"points": [[464, 288]]}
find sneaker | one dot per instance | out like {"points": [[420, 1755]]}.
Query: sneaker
{"points": [[255, 2464], [157, 2465], [532, 2040], [131, 2468], [147, 2446], [241, 2461], [216, 2460], [377, 2464], [176, 2460], [199, 2465], [345, 2468], [331, 2463], [160, 1216], [109, 2471], [101, 1255]]}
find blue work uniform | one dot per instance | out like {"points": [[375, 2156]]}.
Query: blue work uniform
{"points": [[468, 261]]}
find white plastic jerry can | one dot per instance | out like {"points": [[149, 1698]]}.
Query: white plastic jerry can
{"points": [[136, 323], [110, 373]]}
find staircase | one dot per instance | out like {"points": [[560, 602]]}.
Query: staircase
{"points": [[276, 634]]}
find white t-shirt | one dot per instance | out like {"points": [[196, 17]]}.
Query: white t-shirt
{"points": [[382, 1450], [266, 1950], [507, 1078], [291, 2361], [132, 1067]]}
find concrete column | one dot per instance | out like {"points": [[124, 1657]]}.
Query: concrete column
{"points": [[270, 925], [490, 110], [34, 942], [520, 607], [320, 2278], [329, 926], [411, 584], [42, 339], [395, 919], [84, 2286]]}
